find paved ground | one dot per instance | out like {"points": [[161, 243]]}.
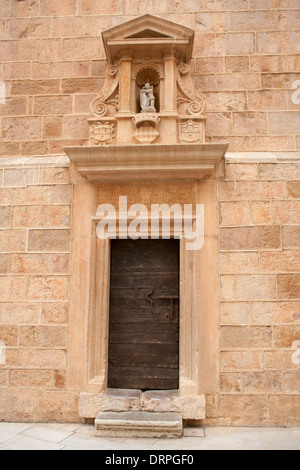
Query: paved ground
{"points": [[19, 436]]}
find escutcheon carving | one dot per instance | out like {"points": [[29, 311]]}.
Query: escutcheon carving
{"points": [[191, 132], [102, 133], [146, 125]]}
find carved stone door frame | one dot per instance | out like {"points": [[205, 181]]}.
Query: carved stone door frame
{"points": [[89, 302], [133, 147]]}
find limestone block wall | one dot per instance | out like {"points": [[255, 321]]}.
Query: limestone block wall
{"points": [[35, 218], [259, 210], [259, 228], [246, 60]]}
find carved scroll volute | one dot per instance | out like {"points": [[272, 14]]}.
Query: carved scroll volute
{"points": [[100, 105], [187, 96]]}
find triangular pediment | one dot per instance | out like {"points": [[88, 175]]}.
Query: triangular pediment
{"points": [[148, 29], [147, 34]]}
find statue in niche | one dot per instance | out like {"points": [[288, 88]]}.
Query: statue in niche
{"points": [[147, 99]]}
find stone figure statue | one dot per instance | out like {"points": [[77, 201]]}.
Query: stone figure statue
{"points": [[147, 99]]}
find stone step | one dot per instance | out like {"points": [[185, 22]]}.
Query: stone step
{"points": [[139, 424]]}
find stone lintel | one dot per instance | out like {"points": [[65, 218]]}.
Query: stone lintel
{"points": [[145, 162]]}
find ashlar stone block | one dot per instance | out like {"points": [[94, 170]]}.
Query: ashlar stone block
{"points": [[139, 424]]}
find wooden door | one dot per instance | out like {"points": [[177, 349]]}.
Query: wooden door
{"points": [[144, 315]]}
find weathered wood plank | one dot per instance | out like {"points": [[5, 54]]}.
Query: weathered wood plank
{"points": [[144, 372], [148, 337], [144, 384], [137, 328], [144, 349], [144, 361]]}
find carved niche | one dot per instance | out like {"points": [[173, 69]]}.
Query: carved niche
{"points": [[146, 120], [148, 94]]}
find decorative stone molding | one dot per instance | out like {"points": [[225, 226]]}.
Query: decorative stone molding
{"points": [[148, 35], [141, 119], [174, 130], [188, 100], [149, 69], [148, 72], [100, 105], [144, 162]]}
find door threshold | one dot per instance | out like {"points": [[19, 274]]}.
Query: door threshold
{"points": [[161, 401]]}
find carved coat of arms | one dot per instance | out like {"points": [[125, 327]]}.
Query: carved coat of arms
{"points": [[102, 133], [190, 132]]}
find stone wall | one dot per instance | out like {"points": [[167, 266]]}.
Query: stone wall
{"points": [[259, 291], [35, 218], [246, 59], [259, 206]]}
